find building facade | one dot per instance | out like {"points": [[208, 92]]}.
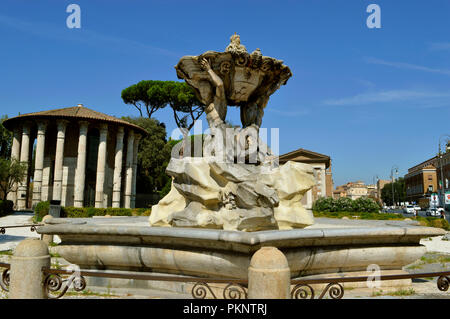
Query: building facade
{"points": [[380, 185], [322, 169], [352, 190], [430, 176], [76, 156]]}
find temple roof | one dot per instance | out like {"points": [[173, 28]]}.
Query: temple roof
{"points": [[70, 113], [305, 156]]}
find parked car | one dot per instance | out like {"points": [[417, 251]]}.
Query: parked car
{"points": [[433, 212], [417, 208], [409, 209]]}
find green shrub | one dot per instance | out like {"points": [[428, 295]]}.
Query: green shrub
{"points": [[344, 204], [6, 207], [325, 204], [40, 210], [166, 189], [86, 212], [141, 212], [434, 222], [364, 204]]}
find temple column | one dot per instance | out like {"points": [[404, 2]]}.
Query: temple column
{"points": [[129, 177], [101, 165], [15, 155], [133, 183], [323, 181], [80, 173], [39, 162], [59, 160], [118, 168], [24, 158]]}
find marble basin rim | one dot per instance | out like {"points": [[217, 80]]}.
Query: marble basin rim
{"points": [[128, 243]]}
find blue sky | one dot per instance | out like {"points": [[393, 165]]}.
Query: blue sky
{"points": [[369, 98]]}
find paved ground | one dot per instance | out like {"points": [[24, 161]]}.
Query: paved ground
{"points": [[13, 236]]}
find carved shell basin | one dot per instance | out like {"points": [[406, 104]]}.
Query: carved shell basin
{"points": [[246, 77]]}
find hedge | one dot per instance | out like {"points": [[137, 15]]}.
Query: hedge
{"points": [[6, 207], [344, 204], [42, 209]]}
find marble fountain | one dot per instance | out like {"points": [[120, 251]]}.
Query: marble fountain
{"points": [[226, 205]]}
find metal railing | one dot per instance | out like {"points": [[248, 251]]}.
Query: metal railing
{"points": [[32, 227], [4, 279], [54, 283]]}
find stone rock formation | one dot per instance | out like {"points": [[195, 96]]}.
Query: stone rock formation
{"points": [[211, 194], [237, 184]]}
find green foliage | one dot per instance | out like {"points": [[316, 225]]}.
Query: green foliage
{"points": [[40, 210], [399, 192], [324, 204], [153, 156], [166, 189], [6, 207], [5, 139], [11, 172], [362, 204], [150, 96], [359, 215], [434, 222], [86, 212], [138, 95], [365, 204]]}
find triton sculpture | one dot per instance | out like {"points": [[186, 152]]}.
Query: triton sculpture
{"points": [[237, 183]]}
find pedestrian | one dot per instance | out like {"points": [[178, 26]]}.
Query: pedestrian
{"points": [[443, 214]]}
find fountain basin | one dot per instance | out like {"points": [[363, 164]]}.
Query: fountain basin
{"points": [[329, 246]]}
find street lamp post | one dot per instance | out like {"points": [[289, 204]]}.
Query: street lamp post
{"points": [[395, 167], [440, 155], [375, 183]]}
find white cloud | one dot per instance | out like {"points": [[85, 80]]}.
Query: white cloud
{"points": [[300, 112], [82, 35], [424, 98], [438, 46], [401, 65]]}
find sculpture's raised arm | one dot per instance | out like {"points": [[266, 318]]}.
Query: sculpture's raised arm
{"points": [[215, 79]]}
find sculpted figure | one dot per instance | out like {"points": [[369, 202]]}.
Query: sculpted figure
{"points": [[235, 45], [216, 111], [234, 78]]}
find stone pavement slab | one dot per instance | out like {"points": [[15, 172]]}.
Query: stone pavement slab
{"points": [[13, 236]]}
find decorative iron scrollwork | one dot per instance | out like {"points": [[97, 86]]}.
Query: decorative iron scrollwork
{"points": [[54, 282], [4, 280], [443, 283], [336, 291], [235, 291], [305, 291], [200, 291], [2, 230], [300, 291]]}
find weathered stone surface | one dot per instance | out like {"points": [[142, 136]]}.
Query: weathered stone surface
{"points": [[172, 202], [234, 185], [195, 215], [211, 194], [255, 219], [234, 77], [269, 276], [26, 269]]}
